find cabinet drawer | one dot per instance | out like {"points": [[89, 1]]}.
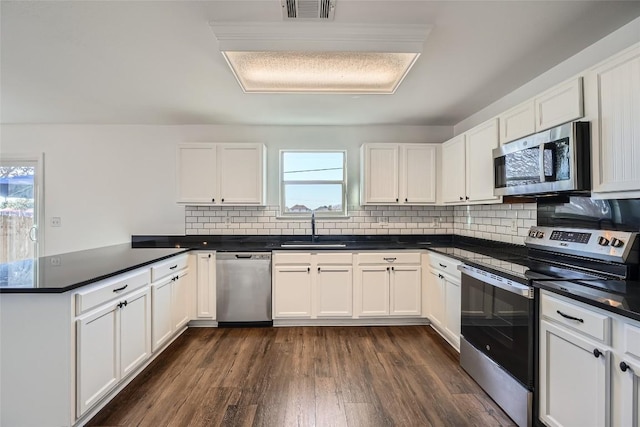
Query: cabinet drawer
{"points": [[109, 289], [444, 263], [389, 258], [344, 258], [584, 320], [164, 268], [299, 258], [631, 339]]}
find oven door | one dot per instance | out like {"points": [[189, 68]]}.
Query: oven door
{"points": [[498, 318]]}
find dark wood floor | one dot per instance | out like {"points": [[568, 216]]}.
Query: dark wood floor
{"points": [[311, 376]]}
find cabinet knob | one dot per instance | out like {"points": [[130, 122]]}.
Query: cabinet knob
{"points": [[213, 200], [466, 197], [440, 276], [387, 268], [624, 367], [393, 269], [222, 200], [308, 269], [209, 255], [397, 199], [597, 353], [461, 198], [318, 269], [406, 199]]}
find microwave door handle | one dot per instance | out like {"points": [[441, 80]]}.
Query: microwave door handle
{"points": [[541, 162]]}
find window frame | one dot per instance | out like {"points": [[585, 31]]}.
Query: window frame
{"points": [[283, 183]]}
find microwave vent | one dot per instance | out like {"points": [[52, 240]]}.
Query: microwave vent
{"points": [[308, 10]]}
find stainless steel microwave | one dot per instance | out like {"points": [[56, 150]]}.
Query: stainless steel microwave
{"points": [[556, 160]]}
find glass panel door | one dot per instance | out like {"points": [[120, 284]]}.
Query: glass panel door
{"points": [[18, 210]]}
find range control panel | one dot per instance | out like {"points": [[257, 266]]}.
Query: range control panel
{"points": [[601, 244]]}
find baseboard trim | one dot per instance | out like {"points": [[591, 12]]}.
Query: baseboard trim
{"points": [[413, 321]]}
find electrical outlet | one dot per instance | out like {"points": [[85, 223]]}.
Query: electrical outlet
{"points": [[55, 260], [56, 221], [383, 221], [514, 226]]}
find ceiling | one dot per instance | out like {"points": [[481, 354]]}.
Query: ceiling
{"points": [[157, 62]]}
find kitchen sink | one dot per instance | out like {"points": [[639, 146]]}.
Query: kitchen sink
{"points": [[308, 244]]}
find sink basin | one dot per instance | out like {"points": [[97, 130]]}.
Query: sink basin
{"points": [[307, 244]]}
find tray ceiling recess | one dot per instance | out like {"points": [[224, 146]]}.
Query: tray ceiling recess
{"points": [[309, 56]]}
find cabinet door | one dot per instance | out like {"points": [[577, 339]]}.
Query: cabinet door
{"points": [[206, 286], [196, 178], [241, 174], [405, 291], [574, 384], [135, 330], [418, 180], [180, 302], [374, 290], [481, 141], [161, 314], [98, 352], [517, 122], [380, 173], [629, 395], [334, 291], [558, 105], [292, 292], [615, 89], [452, 309], [435, 298], [453, 170]]}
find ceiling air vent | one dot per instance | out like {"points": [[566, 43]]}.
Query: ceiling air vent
{"points": [[308, 10]]}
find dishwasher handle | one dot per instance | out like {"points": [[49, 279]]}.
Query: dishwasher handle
{"points": [[239, 256]]}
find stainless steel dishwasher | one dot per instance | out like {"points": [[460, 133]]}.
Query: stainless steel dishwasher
{"points": [[243, 289]]}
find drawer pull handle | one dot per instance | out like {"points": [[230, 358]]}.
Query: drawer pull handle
{"points": [[174, 267], [597, 353], [120, 289], [566, 316], [624, 367], [389, 259], [442, 265]]}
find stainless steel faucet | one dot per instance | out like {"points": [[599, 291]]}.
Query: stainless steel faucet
{"points": [[313, 226]]}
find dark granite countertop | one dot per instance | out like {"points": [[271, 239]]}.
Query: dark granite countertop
{"points": [[64, 272], [617, 296]]}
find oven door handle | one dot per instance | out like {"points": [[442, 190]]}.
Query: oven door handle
{"points": [[508, 285]]}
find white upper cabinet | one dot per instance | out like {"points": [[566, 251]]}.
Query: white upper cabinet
{"points": [[613, 103], [517, 122], [418, 173], [560, 104], [453, 170], [197, 178], [481, 141], [467, 166], [379, 173], [398, 174], [221, 174]]}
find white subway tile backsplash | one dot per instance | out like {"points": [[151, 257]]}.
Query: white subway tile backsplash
{"points": [[492, 222]]}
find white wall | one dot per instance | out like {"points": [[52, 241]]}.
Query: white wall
{"points": [[109, 182], [583, 60]]}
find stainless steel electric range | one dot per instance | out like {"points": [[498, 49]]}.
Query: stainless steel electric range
{"points": [[500, 303]]}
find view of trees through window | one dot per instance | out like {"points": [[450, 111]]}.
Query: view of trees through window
{"points": [[313, 181]]}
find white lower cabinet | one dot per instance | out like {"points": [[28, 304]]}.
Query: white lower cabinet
{"points": [[170, 311], [112, 341], [98, 364], [206, 285], [573, 383], [312, 285], [388, 284], [291, 291], [334, 291], [589, 365], [443, 297]]}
